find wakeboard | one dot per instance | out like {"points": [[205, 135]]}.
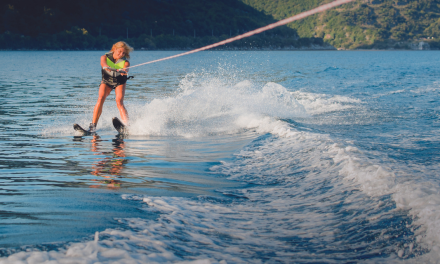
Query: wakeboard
{"points": [[82, 130], [119, 126]]}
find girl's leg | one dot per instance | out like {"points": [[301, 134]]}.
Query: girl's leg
{"points": [[120, 93], [104, 91]]}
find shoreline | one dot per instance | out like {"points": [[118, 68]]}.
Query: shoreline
{"points": [[315, 48], [291, 48]]}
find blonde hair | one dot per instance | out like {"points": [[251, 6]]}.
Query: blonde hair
{"points": [[122, 44]]}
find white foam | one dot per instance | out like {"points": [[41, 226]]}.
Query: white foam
{"points": [[423, 203], [423, 90], [207, 106], [63, 125], [322, 103], [420, 198]]}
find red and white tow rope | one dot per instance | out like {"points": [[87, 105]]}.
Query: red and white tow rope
{"points": [[256, 31]]}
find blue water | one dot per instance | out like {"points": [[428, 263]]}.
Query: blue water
{"points": [[268, 156]]}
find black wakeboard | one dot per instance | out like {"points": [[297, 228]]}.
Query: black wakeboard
{"points": [[82, 130], [119, 126]]}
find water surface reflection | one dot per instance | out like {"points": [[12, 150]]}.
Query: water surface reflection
{"points": [[109, 167]]}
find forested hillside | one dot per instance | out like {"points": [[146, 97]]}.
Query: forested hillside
{"points": [[362, 23], [147, 24]]}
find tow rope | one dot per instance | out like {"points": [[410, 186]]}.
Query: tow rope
{"points": [[256, 31]]}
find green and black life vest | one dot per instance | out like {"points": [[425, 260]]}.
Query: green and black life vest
{"points": [[115, 65], [113, 78]]}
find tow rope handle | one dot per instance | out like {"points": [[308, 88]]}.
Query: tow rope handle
{"points": [[116, 73]]}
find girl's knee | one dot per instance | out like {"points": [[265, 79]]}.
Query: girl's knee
{"points": [[120, 103], [101, 99]]}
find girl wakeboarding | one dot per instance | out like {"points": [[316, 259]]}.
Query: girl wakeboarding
{"points": [[114, 72]]}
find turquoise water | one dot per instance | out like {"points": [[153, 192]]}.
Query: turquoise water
{"points": [[238, 156]]}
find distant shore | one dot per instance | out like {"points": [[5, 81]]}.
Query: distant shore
{"points": [[407, 46], [291, 47]]}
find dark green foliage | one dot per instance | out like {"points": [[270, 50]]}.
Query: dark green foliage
{"points": [[149, 24], [362, 23]]}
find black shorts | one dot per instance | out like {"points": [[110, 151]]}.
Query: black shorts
{"points": [[113, 82], [111, 85]]}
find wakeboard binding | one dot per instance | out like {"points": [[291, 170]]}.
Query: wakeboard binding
{"points": [[119, 126], [80, 129]]}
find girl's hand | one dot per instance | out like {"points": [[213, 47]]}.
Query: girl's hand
{"points": [[122, 72]]}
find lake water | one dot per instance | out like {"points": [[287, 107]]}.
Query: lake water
{"points": [[232, 157]]}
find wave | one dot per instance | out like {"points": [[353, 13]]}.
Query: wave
{"points": [[309, 199], [322, 103], [207, 106], [306, 197]]}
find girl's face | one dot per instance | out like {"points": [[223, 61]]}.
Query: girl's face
{"points": [[118, 53]]}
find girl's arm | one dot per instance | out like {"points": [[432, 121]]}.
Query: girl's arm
{"points": [[104, 62], [126, 65]]}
